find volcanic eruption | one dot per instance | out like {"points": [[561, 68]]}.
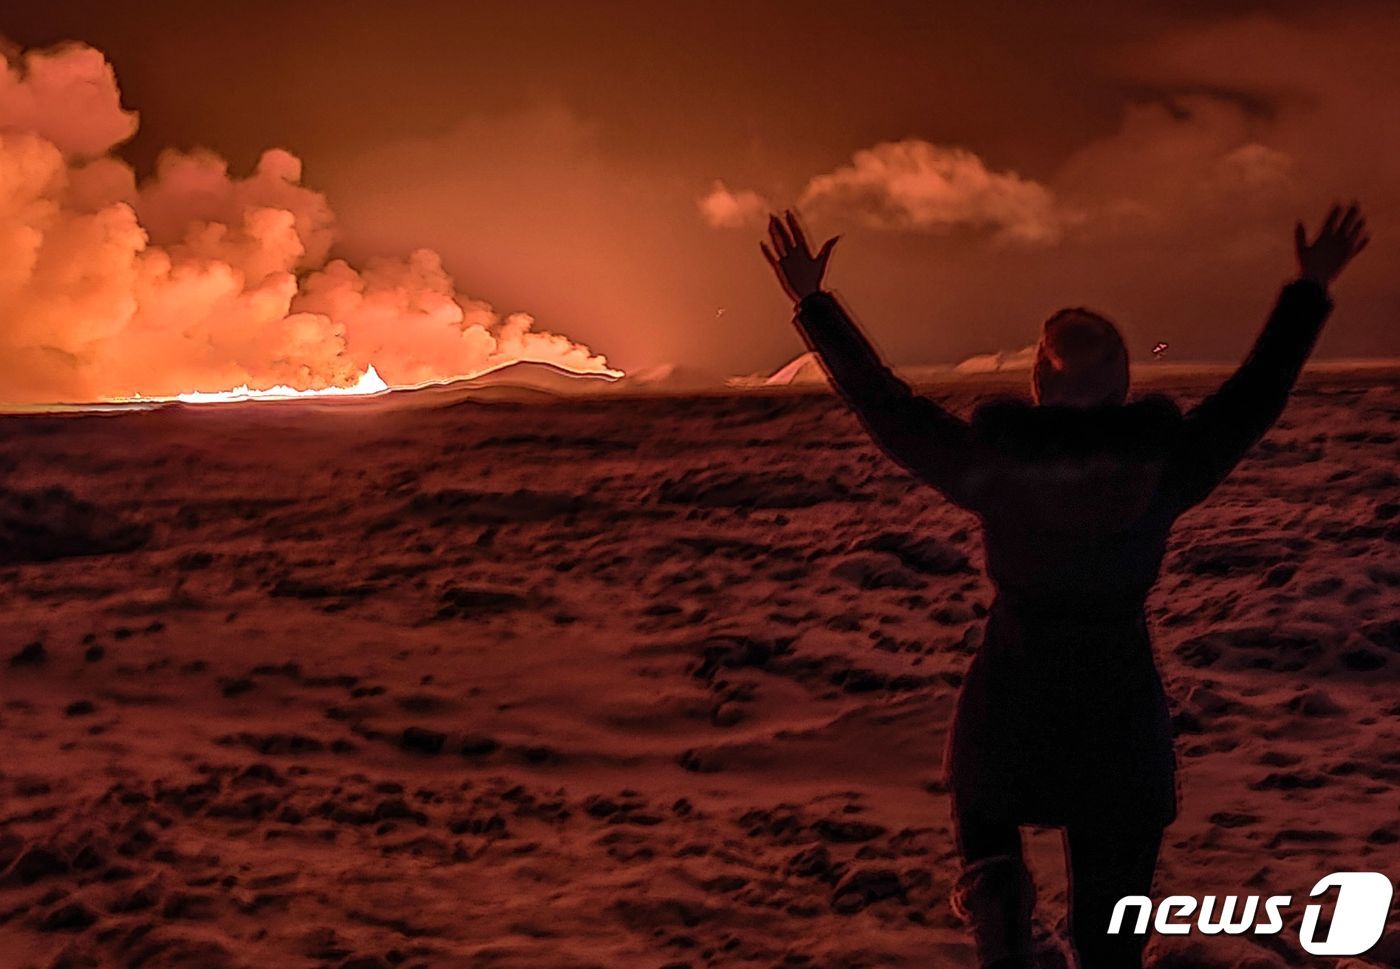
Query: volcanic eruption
{"points": [[194, 280]]}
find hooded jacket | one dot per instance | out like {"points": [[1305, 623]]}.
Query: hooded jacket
{"points": [[1062, 713]]}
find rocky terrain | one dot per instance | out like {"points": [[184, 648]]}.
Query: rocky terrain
{"points": [[623, 683]]}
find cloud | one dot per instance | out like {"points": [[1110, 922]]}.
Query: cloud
{"points": [[199, 279], [67, 96], [914, 185], [725, 209], [1176, 162], [1174, 159]]}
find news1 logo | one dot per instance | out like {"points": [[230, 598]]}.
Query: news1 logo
{"points": [[1357, 922]]}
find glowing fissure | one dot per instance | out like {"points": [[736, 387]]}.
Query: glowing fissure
{"points": [[114, 287], [368, 384]]}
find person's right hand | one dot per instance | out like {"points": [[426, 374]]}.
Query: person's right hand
{"points": [[1341, 237], [799, 272]]}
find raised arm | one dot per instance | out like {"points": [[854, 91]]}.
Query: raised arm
{"points": [[918, 434], [1222, 428]]}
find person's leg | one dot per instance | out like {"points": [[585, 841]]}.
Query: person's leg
{"points": [[994, 892], [1107, 862], [980, 836]]}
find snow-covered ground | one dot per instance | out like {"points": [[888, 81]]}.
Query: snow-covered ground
{"points": [[624, 683]]}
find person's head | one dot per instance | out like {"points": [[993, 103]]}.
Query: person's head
{"points": [[1081, 361]]}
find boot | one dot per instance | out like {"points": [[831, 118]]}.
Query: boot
{"points": [[996, 897]]}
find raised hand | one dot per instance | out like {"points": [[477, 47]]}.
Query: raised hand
{"points": [[799, 271], [1341, 237]]}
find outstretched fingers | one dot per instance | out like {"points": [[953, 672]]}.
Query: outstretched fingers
{"points": [[768, 254], [799, 238], [1349, 220], [1330, 225], [790, 255], [1342, 236], [1353, 230], [782, 242]]}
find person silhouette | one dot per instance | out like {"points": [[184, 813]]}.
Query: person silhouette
{"points": [[1062, 720]]}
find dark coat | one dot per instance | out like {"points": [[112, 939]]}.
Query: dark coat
{"points": [[1062, 715]]}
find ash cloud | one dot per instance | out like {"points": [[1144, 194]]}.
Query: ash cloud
{"points": [[916, 185], [723, 208], [196, 278], [1175, 217]]}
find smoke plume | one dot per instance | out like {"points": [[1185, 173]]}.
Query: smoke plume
{"points": [[722, 208], [914, 185], [196, 278]]}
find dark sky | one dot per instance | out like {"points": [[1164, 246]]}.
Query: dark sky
{"points": [[554, 153]]}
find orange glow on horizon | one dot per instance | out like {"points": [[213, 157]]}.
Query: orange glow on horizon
{"points": [[369, 384]]}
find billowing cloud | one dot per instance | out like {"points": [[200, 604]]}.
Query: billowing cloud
{"points": [[1175, 162], [722, 208], [1171, 162], [67, 96], [914, 185], [197, 279]]}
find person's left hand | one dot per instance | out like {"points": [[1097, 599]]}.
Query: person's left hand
{"points": [[798, 270]]}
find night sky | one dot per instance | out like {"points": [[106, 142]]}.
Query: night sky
{"points": [[1146, 161]]}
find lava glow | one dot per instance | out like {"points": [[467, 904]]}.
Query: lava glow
{"points": [[369, 383], [116, 283]]}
